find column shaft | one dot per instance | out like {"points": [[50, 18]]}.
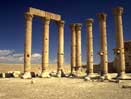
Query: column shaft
{"points": [[120, 54], [78, 46], [28, 43], [60, 57], [73, 47], [89, 46], [45, 44], [103, 43]]}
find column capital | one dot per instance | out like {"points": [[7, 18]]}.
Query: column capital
{"points": [[46, 20], [89, 21], [102, 16], [118, 11], [78, 26], [60, 23], [28, 16], [72, 27]]}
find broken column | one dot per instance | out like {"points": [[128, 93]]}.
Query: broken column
{"points": [[78, 47], [45, 47], [28, 45], [73, 48], [103, 46], [120, 54], [60, 54], [90, 72]]}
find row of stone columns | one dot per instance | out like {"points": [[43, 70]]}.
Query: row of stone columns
{"points": [[45, 47], [76, 60], [76, 46]]}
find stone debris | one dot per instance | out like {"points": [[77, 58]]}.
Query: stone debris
{"points": [[26, 75], [126, 86], [16, 74]]}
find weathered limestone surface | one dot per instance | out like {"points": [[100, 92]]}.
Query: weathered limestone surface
{"points": [[89, 23], [46, 16], [45, 47], [78, 45], [120, 54], [73, 47], [42, 13], [16, 74], [60, 53], [103, 45], [28, 44]]}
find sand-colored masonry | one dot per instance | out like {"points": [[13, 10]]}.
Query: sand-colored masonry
{"points": [[119, 52], [89, 23]]}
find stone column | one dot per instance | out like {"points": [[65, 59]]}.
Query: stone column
{"points": [[73, 48], [60, 54], [90, 72], [120, 54], [28, 45], [103, 46], [78, 47], [45, 47]]}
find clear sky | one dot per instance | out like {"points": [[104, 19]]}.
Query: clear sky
{"points": [[12, 26]]}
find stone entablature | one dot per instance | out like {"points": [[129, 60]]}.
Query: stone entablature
{"points": [[42, 13]]}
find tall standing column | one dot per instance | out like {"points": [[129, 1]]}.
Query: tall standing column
{"points": [[60, 57], [78, 46], [73, 48], [45, 48], [28, 45], [90, 72], [103, 45], [120, 54]]}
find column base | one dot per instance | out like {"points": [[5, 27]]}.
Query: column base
{"points": [[123, 76], [27, 75], [105, 77], [60, 74], [45, 74], [72, 74], [78, 73], [90, 76]]}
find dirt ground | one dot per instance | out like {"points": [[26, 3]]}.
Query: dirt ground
{"points": [[59, 88], [62, 88]]}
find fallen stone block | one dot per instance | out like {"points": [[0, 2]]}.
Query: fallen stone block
{"points": [[16, 74]]}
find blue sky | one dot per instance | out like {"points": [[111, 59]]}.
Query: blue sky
{"points": [[12, 26]]}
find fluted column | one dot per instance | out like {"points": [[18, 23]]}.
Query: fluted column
{"points": [[103, 45], [78, 46], [73, 48], [60, 54], [120, 54], [45, 47], [28, 45], [89, 23]]}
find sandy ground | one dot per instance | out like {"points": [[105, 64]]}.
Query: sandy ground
{"points": [[62, 88], [59, 88]]}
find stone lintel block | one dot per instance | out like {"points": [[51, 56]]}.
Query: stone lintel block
{"points": [[42, 13]]}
